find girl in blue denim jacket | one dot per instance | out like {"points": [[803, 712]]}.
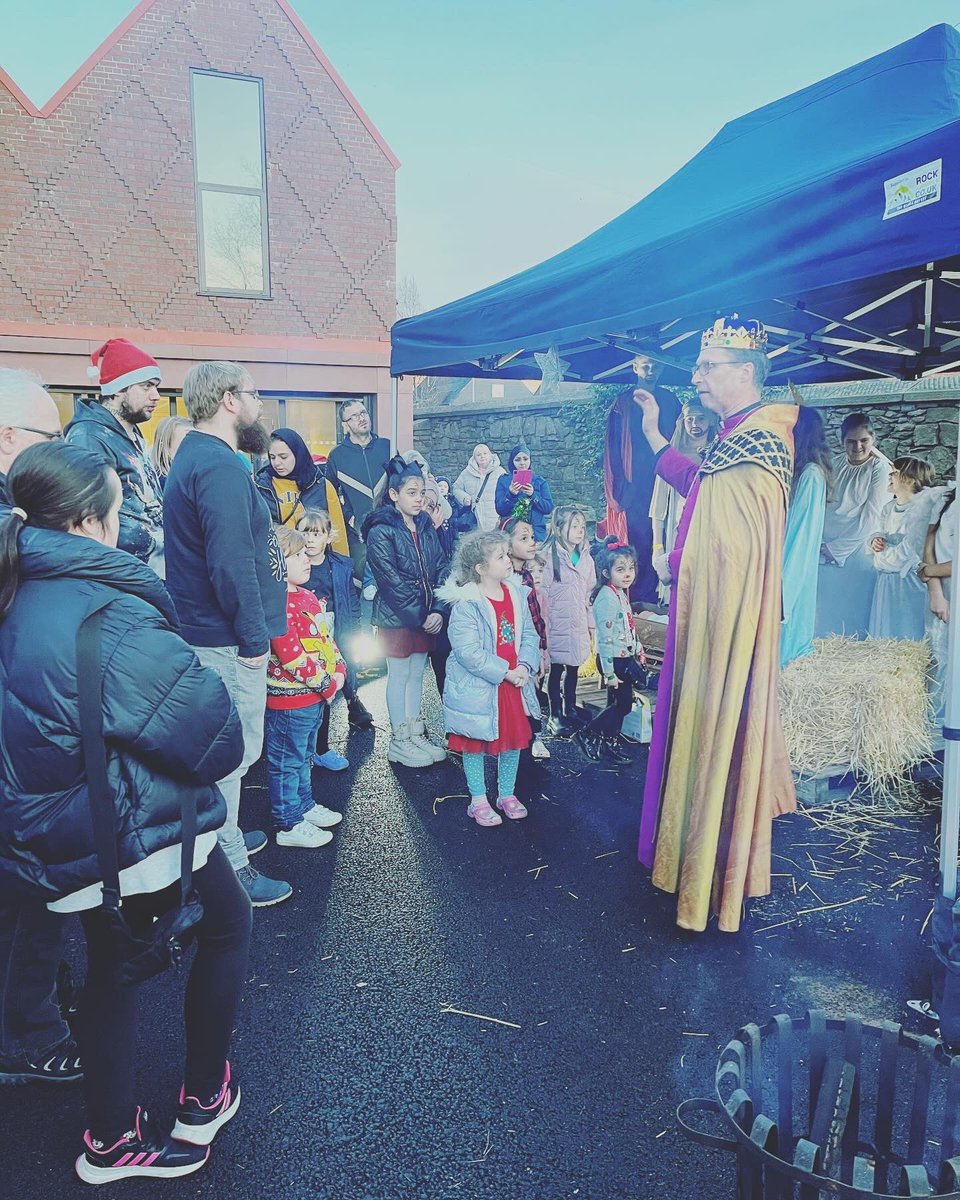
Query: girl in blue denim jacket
{"points": [[490, 687]]}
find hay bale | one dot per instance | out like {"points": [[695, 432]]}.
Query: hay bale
{"points": [[863, 705]]}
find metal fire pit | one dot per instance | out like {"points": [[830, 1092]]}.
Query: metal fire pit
{"points": [[821, 1107]]}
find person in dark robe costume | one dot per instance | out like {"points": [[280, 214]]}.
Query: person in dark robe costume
{"points": [[628, 473]]}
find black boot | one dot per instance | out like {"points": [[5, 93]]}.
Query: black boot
{"points": [[559, 726], [358, 715], [612, 751], [589, 744]]}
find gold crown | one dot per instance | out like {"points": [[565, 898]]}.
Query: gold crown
{"points": [[735, 334]]}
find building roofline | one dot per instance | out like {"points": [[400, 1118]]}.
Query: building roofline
{"points": [[26, 338], [133, 17]]}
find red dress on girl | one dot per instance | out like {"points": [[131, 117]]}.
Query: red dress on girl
{"points": [[513, 725]]}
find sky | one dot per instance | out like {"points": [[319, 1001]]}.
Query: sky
{"points": [[523, 125]]}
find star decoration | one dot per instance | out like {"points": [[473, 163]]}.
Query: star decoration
{"points": [[552, 367]]}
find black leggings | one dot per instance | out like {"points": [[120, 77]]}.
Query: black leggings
{"points": [[107, 1031], [619, 699], [569, 690]]}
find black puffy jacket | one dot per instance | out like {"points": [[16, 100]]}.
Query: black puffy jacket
{"points": [[406, 574], [168, 722], [141, 513]]}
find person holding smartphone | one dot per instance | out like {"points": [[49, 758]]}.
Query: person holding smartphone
{"points": [[523, 495]]}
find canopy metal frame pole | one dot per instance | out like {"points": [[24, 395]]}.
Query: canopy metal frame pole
{"points": [[394, 413], [950, 821]]}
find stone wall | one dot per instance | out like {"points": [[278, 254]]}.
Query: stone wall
{"points": [[446, 438], [906, 424]]}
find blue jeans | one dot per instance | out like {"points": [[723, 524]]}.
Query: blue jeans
{"points": [[291, 738]]}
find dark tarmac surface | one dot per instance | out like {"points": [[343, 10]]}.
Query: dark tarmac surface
{"points": [[357, 1085]]}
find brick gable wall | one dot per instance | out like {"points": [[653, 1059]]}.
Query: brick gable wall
{"points": [[97, 209]]}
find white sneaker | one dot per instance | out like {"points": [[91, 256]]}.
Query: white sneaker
{"points": [[418, 735], [539, 750], [404, 750], [322, 817], [305, 836]]}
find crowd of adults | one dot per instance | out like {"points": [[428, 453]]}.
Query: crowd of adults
{"points": [[157, 589]]}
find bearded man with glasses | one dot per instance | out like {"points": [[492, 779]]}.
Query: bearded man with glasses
{"points": [[718, 771]]}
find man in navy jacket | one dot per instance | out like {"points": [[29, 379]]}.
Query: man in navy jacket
{"points": [[357, 468], [226, 574]]}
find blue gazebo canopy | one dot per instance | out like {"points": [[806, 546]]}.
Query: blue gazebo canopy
{"points": [[833, 215]]}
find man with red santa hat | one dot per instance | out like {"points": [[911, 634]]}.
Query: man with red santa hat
{"points": [[129, 379]]}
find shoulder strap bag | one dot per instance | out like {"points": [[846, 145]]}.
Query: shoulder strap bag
{"points": [[136, 956]]}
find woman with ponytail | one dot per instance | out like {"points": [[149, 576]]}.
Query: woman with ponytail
{"points": [[169, 732]]}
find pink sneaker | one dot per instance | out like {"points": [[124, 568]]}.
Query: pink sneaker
{"points": [[479, 808], [512, 807]]}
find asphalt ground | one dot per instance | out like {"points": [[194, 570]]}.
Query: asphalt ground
{"points": [[357, 1082]]}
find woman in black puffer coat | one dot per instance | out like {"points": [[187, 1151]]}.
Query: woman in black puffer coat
{"points": [[169, 727], [408, 564]]}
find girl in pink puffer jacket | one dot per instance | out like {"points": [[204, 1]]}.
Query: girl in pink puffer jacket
{"points": [[569, 580]]}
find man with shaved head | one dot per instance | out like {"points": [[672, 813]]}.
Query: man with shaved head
{"points": [[27, 415], [35, 1041]]}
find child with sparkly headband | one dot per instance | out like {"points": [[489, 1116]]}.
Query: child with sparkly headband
{"points": [[408, 563]]}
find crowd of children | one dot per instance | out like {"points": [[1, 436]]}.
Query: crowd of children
{"points": [[501, 615]]}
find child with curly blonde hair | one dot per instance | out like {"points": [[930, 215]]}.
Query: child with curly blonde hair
{"points": [[490, 690]]}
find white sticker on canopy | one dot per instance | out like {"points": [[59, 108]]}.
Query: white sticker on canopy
{"points": [[913, 189]]}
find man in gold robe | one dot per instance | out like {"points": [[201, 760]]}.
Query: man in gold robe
{"points": [[718, 770]]}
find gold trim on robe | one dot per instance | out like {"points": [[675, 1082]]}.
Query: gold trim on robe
{"points": [[727, 772]]}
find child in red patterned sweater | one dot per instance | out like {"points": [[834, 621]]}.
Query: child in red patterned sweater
{"points": [[304, 674]]}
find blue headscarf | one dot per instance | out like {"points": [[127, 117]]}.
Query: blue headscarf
{"points": [[305, 471]]}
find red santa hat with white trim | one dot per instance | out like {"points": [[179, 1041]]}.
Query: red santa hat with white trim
{"points": [[118, 363]]}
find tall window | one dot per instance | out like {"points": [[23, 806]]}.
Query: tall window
{"points": [[231, 184]]}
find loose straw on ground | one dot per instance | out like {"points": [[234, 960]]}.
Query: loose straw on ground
{"points": [[448, 1009]]}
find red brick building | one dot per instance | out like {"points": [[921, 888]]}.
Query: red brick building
{"points": [[206, 185]]}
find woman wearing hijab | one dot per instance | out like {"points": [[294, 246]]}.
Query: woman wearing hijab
{"points": [[291, 482], [531, 501]]}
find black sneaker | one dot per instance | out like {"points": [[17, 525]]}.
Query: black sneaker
{"points": [[561, 727], [358, 715], [144, 1151], [612, 751], [198, 1121], [56, 1066], [589, 744]]}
